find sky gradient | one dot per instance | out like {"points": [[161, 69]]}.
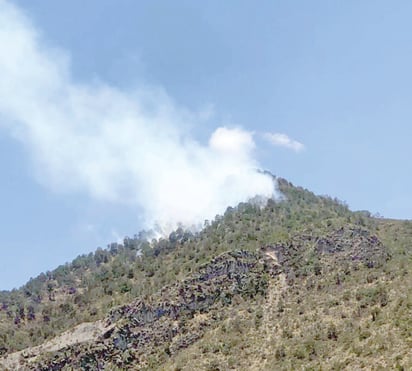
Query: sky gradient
{"points": [[324, 89]]}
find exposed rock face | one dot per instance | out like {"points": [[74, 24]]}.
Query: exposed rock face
{"points": [[134, 335], [172, 319], [356, 244], [345, 246]]}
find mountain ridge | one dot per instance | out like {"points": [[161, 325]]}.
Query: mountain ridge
{"points": [[309, 248]]}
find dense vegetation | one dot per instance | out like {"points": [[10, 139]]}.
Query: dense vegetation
{"points": [[340, 297]]}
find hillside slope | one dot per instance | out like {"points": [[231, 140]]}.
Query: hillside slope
{"points": [[303, 283]]}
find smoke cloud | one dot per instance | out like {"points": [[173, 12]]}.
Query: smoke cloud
{"points": [[123, 147]]}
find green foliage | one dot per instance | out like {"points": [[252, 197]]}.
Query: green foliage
{"points": [[331, 313]]}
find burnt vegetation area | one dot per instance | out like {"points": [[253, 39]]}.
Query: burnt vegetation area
{"points": [[301, 282]]}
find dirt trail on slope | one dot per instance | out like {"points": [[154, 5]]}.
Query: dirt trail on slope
{"points": [[277, 286]]}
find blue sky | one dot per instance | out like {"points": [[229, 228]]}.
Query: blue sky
{"points": [[334, 77]]}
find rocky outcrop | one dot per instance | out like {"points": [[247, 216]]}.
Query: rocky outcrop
{"points": [[348, 246], [139, 334], [172, 319], [354, 244]]}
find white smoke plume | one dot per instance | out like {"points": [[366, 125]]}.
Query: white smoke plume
{"points": [[117, 146]]}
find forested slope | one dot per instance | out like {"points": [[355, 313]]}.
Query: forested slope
{"points": [[299, 283]]}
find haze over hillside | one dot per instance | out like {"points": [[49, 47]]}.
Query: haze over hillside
{"points": [[105, 106]]}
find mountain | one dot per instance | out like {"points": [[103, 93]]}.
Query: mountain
{"points": [[301, 283]]}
